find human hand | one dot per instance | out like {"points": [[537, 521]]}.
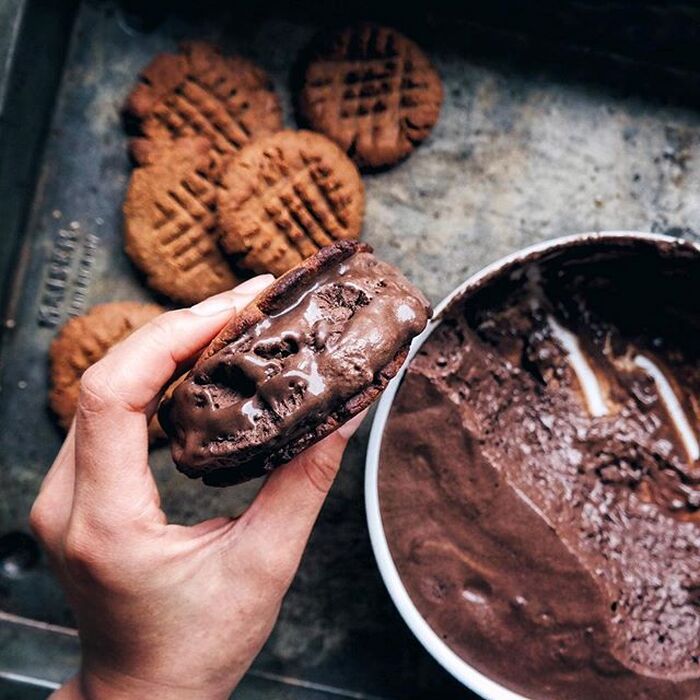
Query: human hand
{"points": [[167, 611]]}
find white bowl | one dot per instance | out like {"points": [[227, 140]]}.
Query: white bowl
{"points": [[441, 652]]}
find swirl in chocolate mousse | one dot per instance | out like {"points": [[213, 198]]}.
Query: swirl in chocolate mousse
{"points": [[539, 476]]}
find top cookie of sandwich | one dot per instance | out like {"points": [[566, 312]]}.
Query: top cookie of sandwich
{"points": [[202, 92], [373, 91]]}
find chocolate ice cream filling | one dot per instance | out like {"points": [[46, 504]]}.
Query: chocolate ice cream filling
{"points": [[539, 478], [325, 344]]}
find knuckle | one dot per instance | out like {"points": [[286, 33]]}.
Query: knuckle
{"points": [[163, 331], [77, 552], [268, 566], [39, 520], [160, 325], [277, 569], [95, 555], [321, 469], [87, 560], [161, 328], [94, 392]]}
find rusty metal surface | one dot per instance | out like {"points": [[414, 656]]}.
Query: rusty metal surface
{"points": [[520, 154]]}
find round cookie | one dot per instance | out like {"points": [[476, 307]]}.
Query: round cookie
{"points": [[201, 92], [170, 223], [373, 91], [285, 196], [84, 340]]}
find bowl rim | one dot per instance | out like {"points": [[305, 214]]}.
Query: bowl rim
{"points": [[466, 674]]}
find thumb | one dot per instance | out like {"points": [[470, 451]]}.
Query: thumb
{"points": [[280, 519]]}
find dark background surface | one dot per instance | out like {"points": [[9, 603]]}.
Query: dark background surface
{"points": [[559, 117]]}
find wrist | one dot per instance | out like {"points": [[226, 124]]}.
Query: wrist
{"points": [[91, 686]]}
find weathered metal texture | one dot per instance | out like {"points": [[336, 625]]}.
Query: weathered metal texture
{"points": [[28, 30], [520, 155]]}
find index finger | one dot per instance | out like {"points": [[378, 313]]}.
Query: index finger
{"points": [[117, 393]]}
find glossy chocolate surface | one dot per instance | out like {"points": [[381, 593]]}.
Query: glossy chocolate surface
{"points": [[554, 544], [324, 345]]}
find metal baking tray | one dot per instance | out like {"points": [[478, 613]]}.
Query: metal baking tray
{"points": [[566, 117]]}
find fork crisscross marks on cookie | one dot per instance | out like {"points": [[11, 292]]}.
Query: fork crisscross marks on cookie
{"points": [[196, 108], [200, 92], [171, 224], [374, 92], [186, 229], [286, 196]]}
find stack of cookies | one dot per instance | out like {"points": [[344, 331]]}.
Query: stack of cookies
{"points": [[221, 190]]}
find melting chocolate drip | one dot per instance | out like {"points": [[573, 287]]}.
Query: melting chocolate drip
{"points": [[281, 377]]}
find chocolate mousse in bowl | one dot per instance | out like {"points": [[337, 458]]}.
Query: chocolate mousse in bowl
{"points": [[533, 478]]}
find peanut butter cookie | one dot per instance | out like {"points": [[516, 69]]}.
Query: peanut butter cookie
{"points": [[170, 222], [285, 196], [373, 91], [201, 92]]}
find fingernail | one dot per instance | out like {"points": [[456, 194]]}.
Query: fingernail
{"points": [[215, 305], [254, 285], [229, 300]]}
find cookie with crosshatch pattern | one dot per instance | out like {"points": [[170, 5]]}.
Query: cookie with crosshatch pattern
{"points": [[284, 197], [170, 222], [371, 90], [82, 341], [200, 91]]}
